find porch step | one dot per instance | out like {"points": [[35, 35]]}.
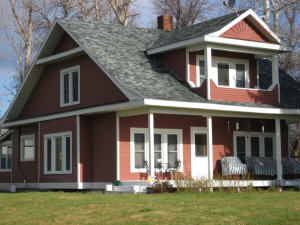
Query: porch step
{"points": [[132, 189]]}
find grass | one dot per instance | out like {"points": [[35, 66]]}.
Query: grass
{"points": [[184, 208]]}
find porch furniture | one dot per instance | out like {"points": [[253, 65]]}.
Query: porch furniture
{"points": [[265, 166], [290, 166], [233, 166]]}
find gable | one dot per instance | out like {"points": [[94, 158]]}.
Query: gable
{"points": [[66, 43], [245, 30]]}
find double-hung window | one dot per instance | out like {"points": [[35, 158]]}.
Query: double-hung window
{"points": [[167, 149], [27, 148], [5, 156], [200, 70], [58, 153], [70, 86], [223, 74]]}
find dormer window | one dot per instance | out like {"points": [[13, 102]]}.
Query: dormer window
{"points": [[70, 86], [223, 74], [240, 75]]}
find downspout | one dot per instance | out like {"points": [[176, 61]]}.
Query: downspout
{"points": [[39, 150]]}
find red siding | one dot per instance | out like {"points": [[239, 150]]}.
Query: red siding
{"points": [[58, 126], [66, 43], [85, 149], [176, 61], [244, 30], [5, 177], [240, 95], [95, 89], [160, 121], [202, 91], [192, 65], [24, 171]]}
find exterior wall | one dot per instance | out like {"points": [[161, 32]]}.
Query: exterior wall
{"points": [[58, 126], [160, 121], [66, 43], [24, 171], [95, 89], [85, 149], [5, 177], [240, 95], [244, 30], [176, 61]]}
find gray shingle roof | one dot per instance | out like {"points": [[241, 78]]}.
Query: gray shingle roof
{"points": [[120, 51]]}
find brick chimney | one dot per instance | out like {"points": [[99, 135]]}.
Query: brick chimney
{"points": [[165, 22]]}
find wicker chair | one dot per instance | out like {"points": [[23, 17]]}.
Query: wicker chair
{"points": [[233, 166], [290, 166], [265, 166]]}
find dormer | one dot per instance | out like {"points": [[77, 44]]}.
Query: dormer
{"points": [[221, 58]]}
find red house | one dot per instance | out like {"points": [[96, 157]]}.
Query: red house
{"points": [[104, 102]]}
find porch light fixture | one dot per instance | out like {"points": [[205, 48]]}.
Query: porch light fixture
{"points": [[237, 125], [262, 126]]}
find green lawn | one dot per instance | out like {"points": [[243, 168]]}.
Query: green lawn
{"points": [[183, 208]]}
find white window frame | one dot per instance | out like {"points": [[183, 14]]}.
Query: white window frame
{"points": [[198, 75], [261, 137], [164, 135], [7, 143], [22, 138], [69, 71], [194, 131], [53, 153], [232, 71]]}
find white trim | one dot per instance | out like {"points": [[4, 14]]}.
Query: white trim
{"points": [[132, 149], [210, 148], [22, 138], [118, 145], [151, 142], [198, 75], [69, 71], [7, 144], [59, 56], [187, 55], [208, 63], [128, 94], [278, 149], [78, 150], [248, 135], [53, 153], [5, 135]]}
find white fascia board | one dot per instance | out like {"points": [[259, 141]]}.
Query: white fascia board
{"points": [[128, 94], [5, 135], [59, 56], [221, 107], [29, 72], [92, 110], [244, 43]]}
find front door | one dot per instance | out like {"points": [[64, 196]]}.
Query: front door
{"points": [[199, 159]]}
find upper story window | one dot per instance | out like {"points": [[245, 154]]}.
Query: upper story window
{"points": [[70, 86], [5, 156], [223, 74], [200, 70], [27, 148]]}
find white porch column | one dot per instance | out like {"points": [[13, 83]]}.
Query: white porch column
{"points": [[207, 56], [151, 142], [275, 73], [210, 149], [278, 149]]}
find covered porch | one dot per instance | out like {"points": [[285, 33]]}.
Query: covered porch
{"points": [[193, 142]]}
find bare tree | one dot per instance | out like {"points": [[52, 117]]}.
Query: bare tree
{"points": [[122, 10], [185, 12]]}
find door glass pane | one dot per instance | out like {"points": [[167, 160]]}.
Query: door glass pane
{"points": [[240, 75], [200, 145], [157, 150], [58, 150], [48, 154], [3, 156], [172, 150], [268, 147], [66, 88], [139, 148], [223, 74], [75, 86], [68, 153], [241, 147], [9, 158], [255, 146]]}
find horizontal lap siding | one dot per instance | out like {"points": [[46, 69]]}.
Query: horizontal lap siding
{"points": [[160, 121], [240, 95], [95, 89], [5, 177], [24, 171], [58, 126], [66, 43], [85, 149], [103, 129]]}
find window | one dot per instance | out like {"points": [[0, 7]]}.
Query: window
{"points": [[223, 74], [5, 156], [253, 144], [200, 145], [27, 148], [70, 86], [167, 149], [240, 75], [58, 153]]}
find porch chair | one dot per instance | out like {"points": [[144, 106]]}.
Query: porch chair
{"points": [[290, 166], [265, 166], [233, 166]]}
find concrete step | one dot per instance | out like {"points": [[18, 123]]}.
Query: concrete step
{"points": [[132, 189]]}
